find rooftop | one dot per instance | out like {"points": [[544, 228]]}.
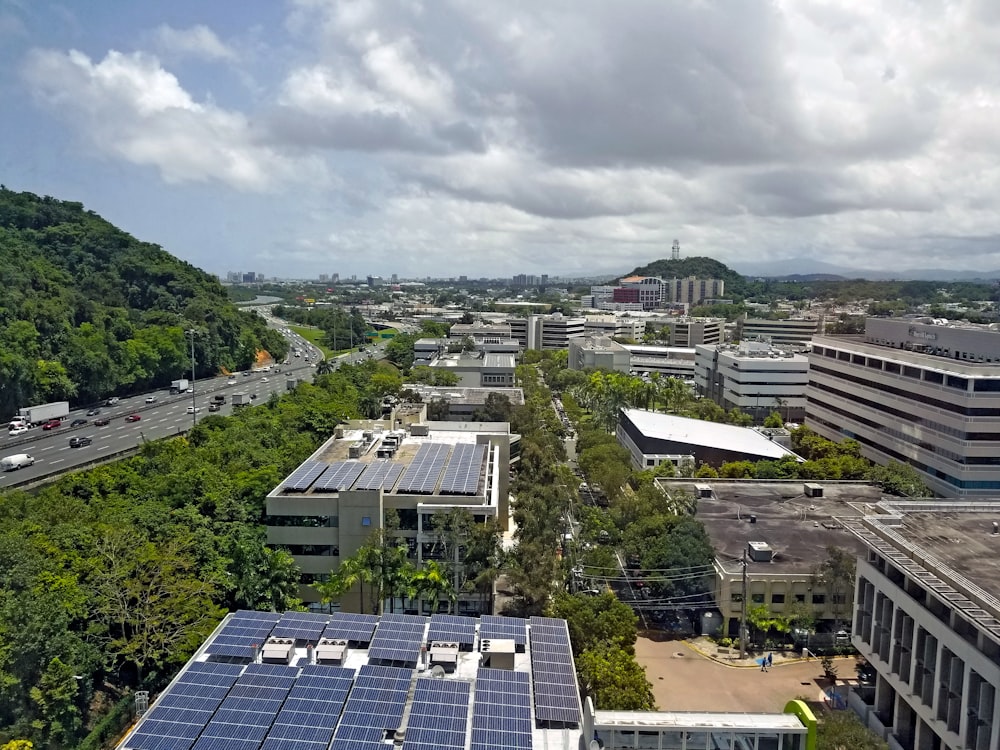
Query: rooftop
{"points": [[796, 526], [458, 395], [708, 434]]}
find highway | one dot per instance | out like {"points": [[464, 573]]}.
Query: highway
{"points": [[165, 417]]}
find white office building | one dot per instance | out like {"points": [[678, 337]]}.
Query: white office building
{"points": [[796, 332]]}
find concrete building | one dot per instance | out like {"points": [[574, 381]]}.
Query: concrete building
{"points": [[652, 438], [478, 369], [598, 352], [917, 392], [615, 326], [689, 332], [927, 618], [693, 291], [462, 404], [668, 361], [546, 332], [753, 376], [480, 330], [647, 291], [792, 332], [782, 529], [328, 508]]}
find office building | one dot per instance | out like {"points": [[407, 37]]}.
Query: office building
{"points": [[546, 332], [688, 332], [461, 405], [478, 369], [668, 361], [755, 377], [916, 392], [311, 681], [927, 618], [615, 326], [646, 291], [790, 332], [328, 507], [598, 352], [692, 291]]}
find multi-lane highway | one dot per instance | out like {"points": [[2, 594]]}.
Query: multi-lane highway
{"points": [[167, 415]]}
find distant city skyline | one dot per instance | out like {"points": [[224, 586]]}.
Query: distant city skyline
{"points": [[496, 139]]}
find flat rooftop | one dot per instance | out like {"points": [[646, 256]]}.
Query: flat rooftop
{"points": [[460, 395], [797, 527]]}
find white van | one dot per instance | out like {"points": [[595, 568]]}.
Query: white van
{"points": [[15, 462]]}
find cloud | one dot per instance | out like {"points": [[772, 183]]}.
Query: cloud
{"points": [[198, 42], [127, 106]]}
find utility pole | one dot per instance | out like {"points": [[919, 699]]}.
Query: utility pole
{"points": [[194, 410], [743, 610]]}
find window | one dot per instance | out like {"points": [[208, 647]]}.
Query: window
{"points": [[757, 598], [737, 597], [777, 598], [819, 598], [366, 520], [800, 597]]}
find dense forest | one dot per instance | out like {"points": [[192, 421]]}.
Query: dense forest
{"points": [[88, 311]]}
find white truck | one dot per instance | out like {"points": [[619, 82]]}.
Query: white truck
{"points": [[180, 385], [15, 462], [35, 415], [241, 399]]}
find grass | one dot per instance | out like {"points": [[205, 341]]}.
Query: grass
{"points": [[315, 337]]}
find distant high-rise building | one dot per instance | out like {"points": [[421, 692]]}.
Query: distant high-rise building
{"points": [[395, 278], [323, 277], [249, 278], [463, 279], [545, 279], [335, 278]]}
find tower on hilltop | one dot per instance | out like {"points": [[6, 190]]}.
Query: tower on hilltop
{"points": [[675, 250]]}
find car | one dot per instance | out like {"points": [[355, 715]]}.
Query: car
{"points": [[93, 412], [194, 409], [19, 430], [77, 422], [247, 373], [190, 389], [150, 399], [232, 379], [102, 421], [79, 442], [263, 380], [111, 401], [52, 424], [132, 418], [214, 407]]}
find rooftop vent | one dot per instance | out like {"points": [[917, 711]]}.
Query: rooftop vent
{"points": [[813, 490], [760, 551]]}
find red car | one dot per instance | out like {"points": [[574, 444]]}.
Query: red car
{"points": [[102, 421], [52, 424], [132, 418]]}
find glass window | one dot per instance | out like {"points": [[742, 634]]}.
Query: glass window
{"points": [[672, 740], [366, 520], [991, 385], [623, 738], [777, 598], [757, 598], [819, 598], [911, 372], [953, 381], [649, 740], [770, 741]]}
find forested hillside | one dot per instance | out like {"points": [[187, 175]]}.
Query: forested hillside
{"points": [[87, 310], [703, 268]]}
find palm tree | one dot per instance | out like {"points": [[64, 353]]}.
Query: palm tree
{"points": [[325, 367], [433, 583]]}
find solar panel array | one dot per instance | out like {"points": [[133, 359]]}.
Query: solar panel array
{"points": [[312, 709], [177, 719], [439, 715], [452, 629], [242, 633], [302, 478], [423, 472], [340, 476], [348, 626], [398, 639], [244, 718], [302, 626], [375, 705], [556, 696], [497, 626], [461, 477], [380, 475], [501, 711]]}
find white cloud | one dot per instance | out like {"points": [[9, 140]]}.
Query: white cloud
{"points": [[198, 41], [129, 107]]}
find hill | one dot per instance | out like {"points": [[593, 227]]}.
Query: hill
{"points": [[88, 310], [704, 268]]}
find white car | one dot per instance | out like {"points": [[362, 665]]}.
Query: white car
{"points": [[190, 389], [19, 430], [194, 409], [150, 399], [263, 380]]}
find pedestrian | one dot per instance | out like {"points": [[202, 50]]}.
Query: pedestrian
{"points": [[770, 660], [763, 664]]}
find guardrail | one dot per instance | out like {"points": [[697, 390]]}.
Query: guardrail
{"points": [[46, 478]]}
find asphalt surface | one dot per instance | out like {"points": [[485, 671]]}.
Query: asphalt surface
{"points": [[166, 417]]}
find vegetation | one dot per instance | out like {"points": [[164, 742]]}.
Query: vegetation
{"points": [[89, 311], [842, 730], [316, 337], [331, 328]]}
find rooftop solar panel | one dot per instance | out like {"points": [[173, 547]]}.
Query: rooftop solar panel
{"points": [[310, 714], [302, 626], [351, 627], [302, 478], [439, 714], [461, 477], [339, 476], [380, 474], [375, 705], [452, 629], [497, 626], [557, 698], [422, 474], [398, 639], [239, 635], [501, 711]]}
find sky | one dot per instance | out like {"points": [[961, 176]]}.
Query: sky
{"points": [[468, 137]]}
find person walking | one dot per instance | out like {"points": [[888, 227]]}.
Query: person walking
{"points": [[763, 664], [770, 660]]}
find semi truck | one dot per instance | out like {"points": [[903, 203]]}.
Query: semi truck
{"points": [[42, 413], [241, 399], [180, 385]]}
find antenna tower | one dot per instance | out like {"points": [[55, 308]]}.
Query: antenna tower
{"points": [[675, 251]]}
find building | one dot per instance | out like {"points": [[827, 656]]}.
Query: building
{"points": [[791, 332], [693, 291], [598, 352], [328, 507], [689, 332], [309, 681], [668, 361], [546, 332], [462, 404], [480, 330], [652, 438], [646, 291], [917, 392], [782, 530], [478, 369], [615, 326], [927, 618], [755, 377]]}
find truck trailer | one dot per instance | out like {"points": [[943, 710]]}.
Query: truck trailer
{"points": [[180, 385], [241, 399], [36, 415]]}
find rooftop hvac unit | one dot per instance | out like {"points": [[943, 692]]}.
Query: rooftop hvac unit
{"points": [[498, 653], [278, 651], [354, 451], [444, 655], [420, 430], [760, 551], [339, 433], [703, 490], [331, 651], [813, 490]]}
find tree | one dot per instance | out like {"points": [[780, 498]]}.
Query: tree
{"points": [[613, 680], [899, 479], [842, 730], [325, 366], [836, 575], [595, 620]]}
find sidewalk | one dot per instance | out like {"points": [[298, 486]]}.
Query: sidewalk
{"points": [[731, 656]]}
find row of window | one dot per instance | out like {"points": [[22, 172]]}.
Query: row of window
{"points": [[306, 521], [820, 599], [958, 382]]}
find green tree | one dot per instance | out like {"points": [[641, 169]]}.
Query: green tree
{"points": [[595, 620], [842, 730], [836, 576], [613, 680]]}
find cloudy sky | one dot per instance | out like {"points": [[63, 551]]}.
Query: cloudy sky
{"points": [[569, 137]]}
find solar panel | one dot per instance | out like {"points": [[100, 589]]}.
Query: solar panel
{"points": [[439, 715], [398, 639], [452, 629], [557, 698], [243, 719], [310, 714], [348, 626], [423, 472], [497, 626], [340, 476], [239, 635], [302, 626], [375, 705], [380, 475], [461, 477], [501, 711], [301, 479]]}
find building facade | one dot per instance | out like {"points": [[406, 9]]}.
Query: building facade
{"points": [[598, 352], [919, 393], [546, 332], [693, 291], [617, 326], [794, 332]]}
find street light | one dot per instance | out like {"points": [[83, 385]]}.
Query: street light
{"points": [[194, 411]]}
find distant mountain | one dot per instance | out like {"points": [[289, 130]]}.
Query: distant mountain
{"points": [[807, 269]]}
